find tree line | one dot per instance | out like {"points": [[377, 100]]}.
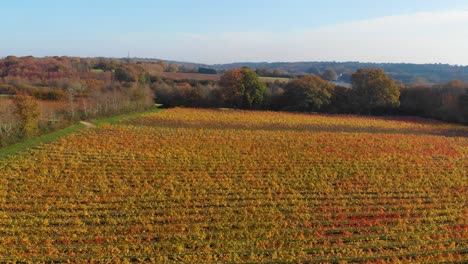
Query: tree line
{"points": [[66, 90], [372, 92], [241, 88], [405, 73]]}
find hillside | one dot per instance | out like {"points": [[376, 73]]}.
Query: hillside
{"points": [[407, 73], [69, 67], [404, 72]]}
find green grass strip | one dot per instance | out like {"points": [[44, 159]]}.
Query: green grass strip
{"points": [[34, 142], [53, 136], [114, 120]]}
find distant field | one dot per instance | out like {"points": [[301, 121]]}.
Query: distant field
{"points": [[204, 186], [97, 71], [205, 77], [188, 76], [274, 79]]}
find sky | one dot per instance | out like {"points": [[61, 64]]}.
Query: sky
{"points": [[224, 31]]}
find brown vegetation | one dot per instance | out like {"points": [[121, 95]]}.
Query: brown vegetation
{"points": [[66, 90]]}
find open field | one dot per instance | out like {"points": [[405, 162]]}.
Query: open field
{"points": [[274, 79], [206, 77], [97, 70], [188, 76], [186, 185]]}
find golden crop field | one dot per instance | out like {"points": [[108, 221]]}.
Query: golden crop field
{"points": [[200, 186]]}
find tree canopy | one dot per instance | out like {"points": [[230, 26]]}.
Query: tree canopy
{"points": [[207, 70], [309, 93], [374, 91], [29, 113], [330, 75], [242, 88]]}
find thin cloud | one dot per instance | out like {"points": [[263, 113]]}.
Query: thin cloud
{"points": [[429, 37]]}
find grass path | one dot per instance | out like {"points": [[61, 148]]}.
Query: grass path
{"points": [[53, 136], [34, 142]]}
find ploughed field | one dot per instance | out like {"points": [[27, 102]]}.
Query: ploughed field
{"points": [[186, 185]]}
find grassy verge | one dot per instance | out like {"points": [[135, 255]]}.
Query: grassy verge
{"points": [[34, 142], [116, 119], [53, 136]]}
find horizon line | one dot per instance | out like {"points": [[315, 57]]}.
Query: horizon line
{"points": [[234, 62]]}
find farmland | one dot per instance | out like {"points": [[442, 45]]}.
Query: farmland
{"points": [[208, 77], [187, 185], [275, 79], [188, 76]]}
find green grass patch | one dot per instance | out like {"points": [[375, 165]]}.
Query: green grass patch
{"points": [[113, 120], [97, 70], [53, 136], [34, 142], [274, 79]]}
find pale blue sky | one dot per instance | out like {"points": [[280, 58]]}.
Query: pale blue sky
{"points": [[217, 31]]}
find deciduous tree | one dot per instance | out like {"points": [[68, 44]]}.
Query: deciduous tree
{"points": [[310, 93], [330, 75], [241, 88], [374, 91], [29, 113]]}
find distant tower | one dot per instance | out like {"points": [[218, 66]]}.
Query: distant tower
{"points": [[128, 57]]}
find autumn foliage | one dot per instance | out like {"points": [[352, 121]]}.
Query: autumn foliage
{"points": [[310, 93], [29, 113], [211, 186], [241, 88]]}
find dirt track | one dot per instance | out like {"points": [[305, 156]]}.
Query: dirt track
{"points": [[87, 124]]}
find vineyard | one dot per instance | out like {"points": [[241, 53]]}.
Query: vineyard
{"points": [[200, 186]]}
